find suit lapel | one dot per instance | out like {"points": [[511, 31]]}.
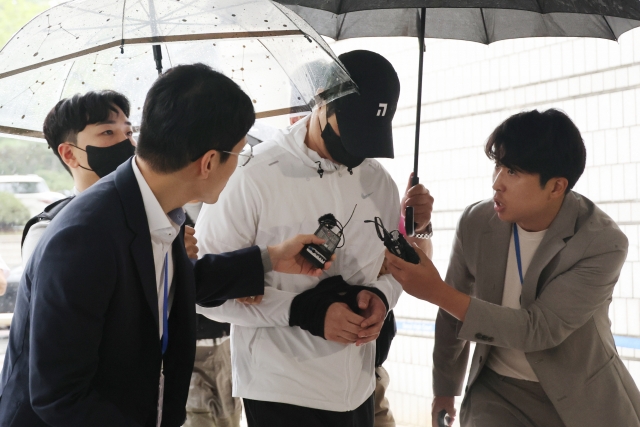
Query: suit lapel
{"points": [[493, 261], [141, 249], [562, 227]]}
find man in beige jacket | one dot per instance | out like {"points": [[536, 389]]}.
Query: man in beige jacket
{"points": [[530, 281]]}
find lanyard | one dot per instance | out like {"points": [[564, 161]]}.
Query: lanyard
{"points": [[165, 323], [165, 339], [516, 240]]}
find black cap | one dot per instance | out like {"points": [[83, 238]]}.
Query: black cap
{"points": [[364, 119]]}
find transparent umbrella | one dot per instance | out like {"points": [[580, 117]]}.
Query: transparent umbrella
{"points": [[82, 45]]}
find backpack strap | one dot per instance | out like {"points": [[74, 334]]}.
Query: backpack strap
{"points": [[48, 214]]}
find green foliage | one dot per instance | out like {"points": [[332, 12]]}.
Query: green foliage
{"points": [[14, 14], [25, 157], [56, 180], [18, 157], [12, 212]]}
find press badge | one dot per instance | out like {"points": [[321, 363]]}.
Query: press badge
{"points": [[160, 398]]}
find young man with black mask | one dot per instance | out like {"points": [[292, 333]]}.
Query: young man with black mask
{"points": [[103, 332], [530, 281], [91, 135], [294, 358]]}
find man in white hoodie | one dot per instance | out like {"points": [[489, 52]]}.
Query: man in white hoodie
{"points": [[292, 373]]}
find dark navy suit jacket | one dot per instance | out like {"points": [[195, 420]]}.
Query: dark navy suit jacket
{"points": [[84, 348]]}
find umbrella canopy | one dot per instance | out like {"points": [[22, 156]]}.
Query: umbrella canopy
{"points": [[482, 21], [82, 45]]}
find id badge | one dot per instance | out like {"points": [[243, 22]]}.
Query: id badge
{"points": [[160, 399]]}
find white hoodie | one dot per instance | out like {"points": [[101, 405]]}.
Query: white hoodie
{"points": [[278, 195]]}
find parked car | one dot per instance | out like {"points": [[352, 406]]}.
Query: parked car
{"points": [[31, 190]]}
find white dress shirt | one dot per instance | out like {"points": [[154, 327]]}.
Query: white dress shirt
{"points": [[164, 228]]}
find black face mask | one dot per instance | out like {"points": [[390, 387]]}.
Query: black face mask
{"points": [[336, 148], [104, 160]]}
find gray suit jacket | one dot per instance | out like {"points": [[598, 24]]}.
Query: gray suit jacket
{"points": [[563, 326]]}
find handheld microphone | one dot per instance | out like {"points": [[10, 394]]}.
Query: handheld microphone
{"points": [[318, 255], [396, 243]]}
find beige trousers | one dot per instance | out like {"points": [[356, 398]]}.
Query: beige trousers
{"points": [[383, 415], [210, 403]]}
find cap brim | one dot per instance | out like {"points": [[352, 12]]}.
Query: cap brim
{"points": [[366, 140]]}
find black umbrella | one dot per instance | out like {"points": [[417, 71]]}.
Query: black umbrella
{"points": [[482, 21]]}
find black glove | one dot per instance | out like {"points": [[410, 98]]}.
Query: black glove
{"points": [[309, 309]]}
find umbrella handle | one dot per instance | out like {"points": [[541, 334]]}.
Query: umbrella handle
{"points": [[409, 223], [443, 419]]}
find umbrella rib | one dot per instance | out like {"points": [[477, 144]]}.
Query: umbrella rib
{"points": [[540, 6], [65, 79], [124, 6], [37, 134], [158, 39], [21, 132], [484, 24], [609, 27], [277, 112], [343, 16]]}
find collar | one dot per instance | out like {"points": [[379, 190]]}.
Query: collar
{"points": [[292, 140], [156, 217]]}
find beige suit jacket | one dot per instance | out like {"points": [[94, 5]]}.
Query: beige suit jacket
{"points": [[563, 326]]}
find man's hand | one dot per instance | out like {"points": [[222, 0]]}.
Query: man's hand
{"points": [[374, 312], [250, 300], [443, 403], [416, 279], [286, 258], [419, 197], [341, 324], [424, 282], [190, 242]]}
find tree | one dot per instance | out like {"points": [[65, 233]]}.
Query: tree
{"points": [[14, 14], [12, 212], [25, 157]]}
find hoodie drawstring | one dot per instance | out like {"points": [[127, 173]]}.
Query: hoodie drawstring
{"points": [[350, 171], [320, 170]]}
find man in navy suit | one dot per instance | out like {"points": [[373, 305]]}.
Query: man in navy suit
{"points": [[104, 327]]}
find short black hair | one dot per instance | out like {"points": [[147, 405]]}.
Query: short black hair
{"points": [[71, 115], [190, 110], [547, 143]]}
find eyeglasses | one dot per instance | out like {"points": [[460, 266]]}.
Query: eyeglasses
{"points": [[245, 155]]}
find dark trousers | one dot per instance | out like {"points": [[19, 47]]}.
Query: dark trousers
{"points": [[273, 414]]}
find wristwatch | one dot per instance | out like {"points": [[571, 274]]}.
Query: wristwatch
{"points": [[427, 234]]}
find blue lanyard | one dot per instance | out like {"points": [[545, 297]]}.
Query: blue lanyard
{"points": [[165, 322], [516, 239]]}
